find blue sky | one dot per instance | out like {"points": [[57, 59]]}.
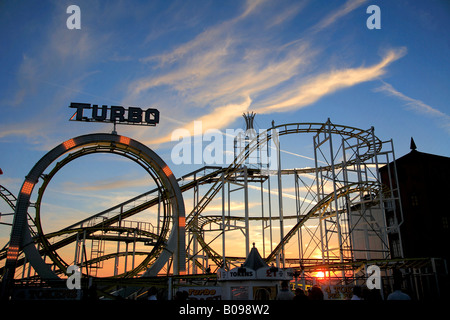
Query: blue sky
{"points": [[288, 61]]}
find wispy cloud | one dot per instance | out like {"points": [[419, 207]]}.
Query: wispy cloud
{"points": [[220, 117], [335, 15], [205, 38], [227, 64], [219, 71], [417, 105], [223, 71], [329, 82], [51, 70], [222, 61]]}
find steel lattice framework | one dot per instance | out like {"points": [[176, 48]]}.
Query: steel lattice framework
{"points": [[337, 217], [27, 235], [344, 201]]}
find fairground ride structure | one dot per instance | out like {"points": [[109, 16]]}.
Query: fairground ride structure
{"points": [[336, 218]]}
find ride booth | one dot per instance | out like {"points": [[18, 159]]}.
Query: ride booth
{"points": [[254, 280]]}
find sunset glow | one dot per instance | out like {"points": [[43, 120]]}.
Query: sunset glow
{"points": [[339, 91]]}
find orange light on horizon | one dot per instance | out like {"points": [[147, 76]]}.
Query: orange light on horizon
{"points": [[321, 274]]}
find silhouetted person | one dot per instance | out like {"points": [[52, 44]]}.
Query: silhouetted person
{"points": [[300, 295], [152, 294], [372, 295], [357, 293], [285, 293], [181, 295], [315, 293], [398, 294]]}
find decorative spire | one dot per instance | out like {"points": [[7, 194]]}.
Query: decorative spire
{"points": [[249, 117], [413, 145], [254, 260]]}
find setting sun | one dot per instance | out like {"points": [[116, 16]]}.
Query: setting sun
{"points": [[321, 274]]}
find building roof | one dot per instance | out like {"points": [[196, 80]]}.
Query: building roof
{"points": [[418, 154], [254, 260], [420, 158]]}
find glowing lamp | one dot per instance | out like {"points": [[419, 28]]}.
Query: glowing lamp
{"points": [[69, 144], [167, 171], [27, 187], [13, 253], [124, 140]]}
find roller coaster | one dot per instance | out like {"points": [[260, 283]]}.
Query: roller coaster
{"points": [[336, 212]]}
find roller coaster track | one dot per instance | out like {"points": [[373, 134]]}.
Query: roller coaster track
{"points": [[9, 198], [72, 230], [368, 140], [158, 246], [195, 221], [373, 145], [320, 209]]}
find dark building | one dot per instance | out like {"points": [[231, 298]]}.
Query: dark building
{"points": [[423, 183]]}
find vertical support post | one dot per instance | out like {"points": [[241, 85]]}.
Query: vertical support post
{"points": [[270, 211], [77, 248], [319, 194], [116, 260], [126, 255], [159, 212], [384, 235], [280, 196], [333, 174], [297, 209], [83, 254], [247, 227], [169, 289], [134, 249], [194, 237], [347, 202], [262, 221], [223, 221]]}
